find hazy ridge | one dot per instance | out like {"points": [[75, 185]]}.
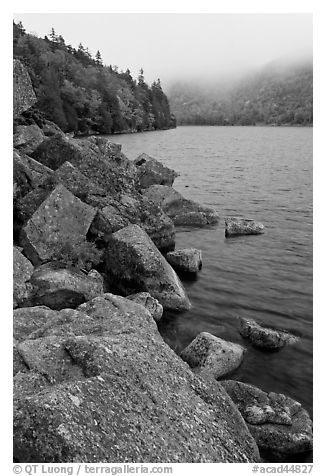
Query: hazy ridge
{"points": [[280, 93]]}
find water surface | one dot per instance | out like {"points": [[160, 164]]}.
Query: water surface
{"points": [[264, 173]]}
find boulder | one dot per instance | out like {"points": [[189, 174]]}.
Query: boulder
{"points": [[49, 129], [188, 260], [150, 172], [265, 337], [18, 362], [111, 396], [150, 303], [27, 205], [41, 321], [76, 182], [126, 209], [280, 426], [26, 320], [211, 356], [22, 272], [107, 148], [242, 226], [23, 92], [67, 175], [28, 138], [134, 264], [48, 356], [28, 382], [112, 213], [98, 173], [61, 218], [58, 286], [182, 211], [27, 174], [111, 171]]}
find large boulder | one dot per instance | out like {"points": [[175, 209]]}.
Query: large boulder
{"points": [[98, 173], [134, 264], [112, 394], [242, 226], [27, 174], [102, 165], [265, 337], [150, 303], [211, 356], [26, 320], [280, 426], [61, 218], [188, 260], [181, 210], [77, 183], [22, 272], [28, 138], [27, 205], [58, 286], [150, 172], [24, 96], [67, 175], [113, 212], [132, 208]]}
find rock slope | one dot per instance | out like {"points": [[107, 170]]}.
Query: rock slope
{"points": [[100, 385]]}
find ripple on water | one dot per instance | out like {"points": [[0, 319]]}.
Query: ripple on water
{"points": [[255, 172]]}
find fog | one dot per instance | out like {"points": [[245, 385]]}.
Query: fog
{"points": [[182, 46]]}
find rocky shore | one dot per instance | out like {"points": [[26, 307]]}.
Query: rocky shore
{"points": [[95, 265]]}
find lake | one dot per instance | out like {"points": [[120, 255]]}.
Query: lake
{"points": [[264, 173]]}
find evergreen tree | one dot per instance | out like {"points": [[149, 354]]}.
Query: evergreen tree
{"points": [[79, 93], [98, 58]]}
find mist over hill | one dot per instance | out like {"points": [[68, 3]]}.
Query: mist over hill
{"points": [[280, 93]]}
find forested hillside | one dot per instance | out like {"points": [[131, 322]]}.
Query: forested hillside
{"points": [[82, 95], [280, 94]]}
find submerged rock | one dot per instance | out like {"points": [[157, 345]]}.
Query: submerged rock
{"points": [[59, 287], [264, 337], [150, 171], [209, 355], [22, 271], [24, 96], [134, 264], [280, 426], [242, 226], [188, 260], [179, 209], [150, 303], [113, 394], [61, 218], [28, 138]]}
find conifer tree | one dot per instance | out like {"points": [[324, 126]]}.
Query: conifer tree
{"points": [[98, 58]]}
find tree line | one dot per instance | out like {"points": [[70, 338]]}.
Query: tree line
{"points": [[82, 95]]}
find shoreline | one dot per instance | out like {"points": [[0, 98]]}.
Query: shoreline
{"points": [[87, 226]]}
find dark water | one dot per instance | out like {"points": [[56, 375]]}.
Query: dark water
{"points": [[263, 173]]}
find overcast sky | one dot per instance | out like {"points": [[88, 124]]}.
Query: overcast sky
{"points": [[180, 46]]}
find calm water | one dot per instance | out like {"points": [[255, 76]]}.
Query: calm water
{"points": [[263, 173]]}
